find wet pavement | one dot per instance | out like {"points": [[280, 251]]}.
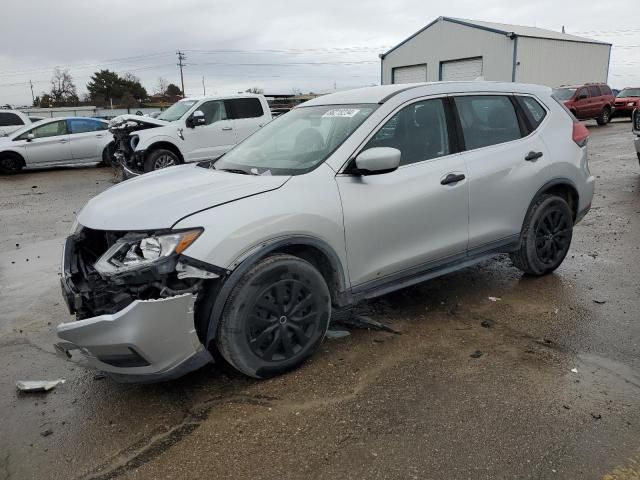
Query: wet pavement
{"points": [[543, 382]]}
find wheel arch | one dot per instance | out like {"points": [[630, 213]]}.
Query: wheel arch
{"points": [[315, 251], [562, 187], [164, 145], [12, 153]]}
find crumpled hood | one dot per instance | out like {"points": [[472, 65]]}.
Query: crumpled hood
{"points": [[157, 200], [123, 119]]}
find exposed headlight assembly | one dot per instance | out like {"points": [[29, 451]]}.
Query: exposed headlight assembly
{"points": [[133, 252]]}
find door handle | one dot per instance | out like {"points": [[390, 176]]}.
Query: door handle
{"points": [[452, 178], [533, 156], [63, 141], [226, 129], [98, 136]]}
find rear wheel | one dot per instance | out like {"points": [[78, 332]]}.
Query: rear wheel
{"points": [[107, 156], [160, 158], [10, 163], [275, 317], [546, 236], [605, 116]]}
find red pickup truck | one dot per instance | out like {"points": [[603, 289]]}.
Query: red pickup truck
{"points": [[591, 100]]}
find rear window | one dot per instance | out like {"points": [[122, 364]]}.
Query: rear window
{"points": [[595, 90], [533, 110], [82, 125], [487, 120], [8, 119], [606, 90], [245, 107]]}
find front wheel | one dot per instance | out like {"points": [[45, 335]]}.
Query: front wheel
{"points": [[546, 236], [11, 163], [605, 116], [160, 158], [275, 317]]}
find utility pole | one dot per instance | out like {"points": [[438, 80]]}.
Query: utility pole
{"points": [[204, 89], [33, 99], [181, 58]]}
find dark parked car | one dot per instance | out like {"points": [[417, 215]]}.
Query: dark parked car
{"points": [[626, 102], [591, 100]]}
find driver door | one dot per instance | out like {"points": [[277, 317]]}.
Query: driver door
{"points": [[415, 217], [50, 143], [214, 138]]}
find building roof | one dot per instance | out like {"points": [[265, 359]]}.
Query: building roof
{"points": [[506, 29]]}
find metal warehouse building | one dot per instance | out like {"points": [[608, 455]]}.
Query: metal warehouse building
{"points": [[457, 49]]}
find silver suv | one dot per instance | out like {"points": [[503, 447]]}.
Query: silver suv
{"points": [[346, 197]]}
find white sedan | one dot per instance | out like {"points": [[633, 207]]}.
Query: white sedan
{"points": [[56, 141]]}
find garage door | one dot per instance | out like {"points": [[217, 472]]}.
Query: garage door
{"points": [[469, 69], [411, 74]]}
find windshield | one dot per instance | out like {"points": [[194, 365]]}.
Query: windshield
{"points": [[296, 142], [564, 93], [177, 110], [629, 92]]}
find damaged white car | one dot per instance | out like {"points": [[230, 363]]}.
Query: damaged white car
{"points": [[191, 130], [347, 197]]}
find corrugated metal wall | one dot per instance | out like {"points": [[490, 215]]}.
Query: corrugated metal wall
{"points": [[554, 63], [449, 41]]}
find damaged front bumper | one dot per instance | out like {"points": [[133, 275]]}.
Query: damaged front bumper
{"points": [[139, 326], [149, 340]]}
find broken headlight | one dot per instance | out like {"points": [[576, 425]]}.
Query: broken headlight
{"points": [[132, 252]]}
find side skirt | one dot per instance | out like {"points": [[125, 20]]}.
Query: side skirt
{"points": [[433, 269]]}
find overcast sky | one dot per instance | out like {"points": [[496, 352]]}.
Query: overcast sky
{"points": [[277, 45]]}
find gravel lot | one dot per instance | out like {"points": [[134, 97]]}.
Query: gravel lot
{"points": [[371, 405]]}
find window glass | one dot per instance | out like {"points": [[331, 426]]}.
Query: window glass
{"points": [[419, 131], [534, 111], [246, 107], [214, 111], [84, 125], [606, 90], [487, 120], [8, 119], [49, 130], [595, 91], [583, 92], [296, 142]]}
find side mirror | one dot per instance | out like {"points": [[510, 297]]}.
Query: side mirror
{"points": [[376, 161], [30, 136], [196, 119]]}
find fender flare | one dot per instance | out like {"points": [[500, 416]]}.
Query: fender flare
{"points": [[261, 251], [551, 183]]}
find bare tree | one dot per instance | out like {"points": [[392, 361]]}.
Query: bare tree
{"points": [[255, 90], [63, 90], [295, 91], [161, 87]]}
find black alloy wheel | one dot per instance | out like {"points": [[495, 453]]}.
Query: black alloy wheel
{"points": [[553, 236]]}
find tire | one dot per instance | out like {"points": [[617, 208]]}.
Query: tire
{"points": [[160, 158], [106, 157], [546, 236], [11, 163], [638, 155], [263, 331], [605, 116]]}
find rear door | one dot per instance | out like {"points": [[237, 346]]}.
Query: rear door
{"points": [[248, 116], [596, 101], [50, 143], [86, 138], [214, 138], [505, 162]]}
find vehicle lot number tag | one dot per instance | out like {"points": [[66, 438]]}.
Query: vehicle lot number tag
{"points": [[342, 112]]}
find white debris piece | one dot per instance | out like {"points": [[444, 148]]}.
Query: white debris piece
{"points": [[574, 370], [38, 385], [495, 299]]}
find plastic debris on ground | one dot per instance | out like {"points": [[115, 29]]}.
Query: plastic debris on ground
{"points": [[337, 333], [38, 385], [495, 299], [574, 370]]}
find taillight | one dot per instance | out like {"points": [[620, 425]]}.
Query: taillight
{"points": [[580, 133]]}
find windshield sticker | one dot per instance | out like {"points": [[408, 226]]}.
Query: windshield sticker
{"points": [[342, 112]]}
